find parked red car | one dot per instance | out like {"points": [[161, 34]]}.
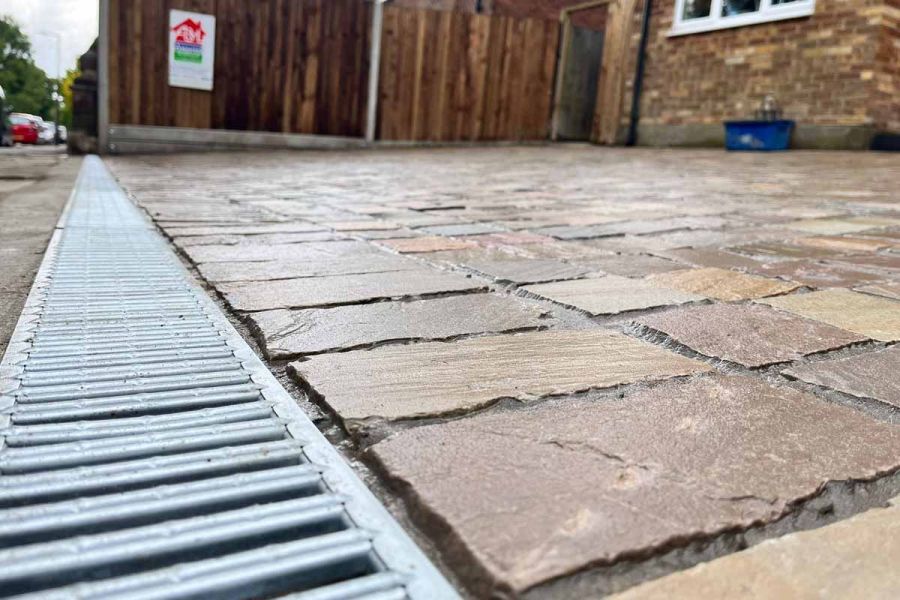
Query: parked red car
{"points": [[25, 128]]}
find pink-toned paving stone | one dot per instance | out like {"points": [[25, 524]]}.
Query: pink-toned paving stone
{"points": [[525, 497], [749, 335], [414, 381], [870, 375], [844, 243], [611, 294]]}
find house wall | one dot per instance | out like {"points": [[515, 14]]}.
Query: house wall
{"points": [[835, 73]]}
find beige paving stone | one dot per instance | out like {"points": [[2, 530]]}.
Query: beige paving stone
{"points": [[844, 243], [722, 284], [535, 494], [288, 269], [890, 263], [888, 290], [434, 243], [362, 225], [750, 335], [838, 226], [526, 270], [310, 292], [855, 558], [255, 229], [877, 318], [870, 375], [611, 294], [413, 381], [288, 333], [509, 238], [781, 251], [262, 238]]}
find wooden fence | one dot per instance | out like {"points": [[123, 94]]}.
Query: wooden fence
{"points": [[292, 66], [301, 66], [456, 76]]}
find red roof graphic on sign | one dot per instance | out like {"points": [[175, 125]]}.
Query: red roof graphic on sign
{"points": [[189, 32]]}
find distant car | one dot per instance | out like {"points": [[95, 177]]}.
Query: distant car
{"points": [[47, 134], [25, 128], [63, 134]]}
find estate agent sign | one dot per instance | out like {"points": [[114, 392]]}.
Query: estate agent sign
{"points": [[192, 49]]}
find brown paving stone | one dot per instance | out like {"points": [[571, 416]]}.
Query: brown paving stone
{"points": [[288, 269], [723, 284], [871, 261], [536, 494], [291, 332], [312, 251], [780, 251], [611, 294], [629, 265], [816, 274], [870, 375], [419, 380], [331, 290], [749, 335], [433, 243], [843, 243], [877, 318], [855, 558], [709, 257]]}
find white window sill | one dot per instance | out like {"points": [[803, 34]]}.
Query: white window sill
{"points": [[709, 24]]}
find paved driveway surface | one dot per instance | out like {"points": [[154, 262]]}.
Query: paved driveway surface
{"points": [[582, 368]]}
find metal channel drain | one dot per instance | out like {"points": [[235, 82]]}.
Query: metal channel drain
{"points": [[146, 452]]}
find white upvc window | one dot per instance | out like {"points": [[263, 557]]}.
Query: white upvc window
{"points": [[695, 16]]}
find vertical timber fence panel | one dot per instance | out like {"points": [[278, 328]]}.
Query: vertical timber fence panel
{"points": [[448, 76], [291, 66]]}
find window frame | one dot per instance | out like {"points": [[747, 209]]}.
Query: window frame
{"points": [[767, 13]]}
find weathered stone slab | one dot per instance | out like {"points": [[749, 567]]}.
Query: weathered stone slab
{"points": [[871, 261], [539, 493], [288, 333], [888, 290], [629, 265], [746, 334], [722, 284], [433, 243], [610, 295], [877, 318], [335, 290], [708, 257], [262, 238], [250, 229], [855, 558], [526, 270], [312, 251], [459, 229], [817, 274], [871, 375], [780, 251], [367, 225], [838, 226], [844, 243], [509, 238], [289, 269], [412, 381]]}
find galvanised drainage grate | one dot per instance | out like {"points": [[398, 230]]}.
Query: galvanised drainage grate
{"points": [[146, 452]]}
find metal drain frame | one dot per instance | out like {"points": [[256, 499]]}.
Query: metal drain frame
{"points": [[399, 554]]}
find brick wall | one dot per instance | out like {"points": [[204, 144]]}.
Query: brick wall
{"points": [[822, 69], [886, 77]]}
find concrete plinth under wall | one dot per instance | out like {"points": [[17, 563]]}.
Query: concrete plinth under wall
{"points": [[806, 137]]}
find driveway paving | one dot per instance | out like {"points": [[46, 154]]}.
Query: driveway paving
{"points": [[509, 337]]}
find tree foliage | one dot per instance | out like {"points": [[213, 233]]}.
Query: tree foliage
{"points": [[27, 87], [66, 91]]}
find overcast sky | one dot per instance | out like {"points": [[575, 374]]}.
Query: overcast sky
{"points": [[74, 20]]}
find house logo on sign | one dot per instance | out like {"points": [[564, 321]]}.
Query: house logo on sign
{"points": [[189, 36]]}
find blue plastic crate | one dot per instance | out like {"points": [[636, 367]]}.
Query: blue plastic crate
{"points": [[760, 136]]}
